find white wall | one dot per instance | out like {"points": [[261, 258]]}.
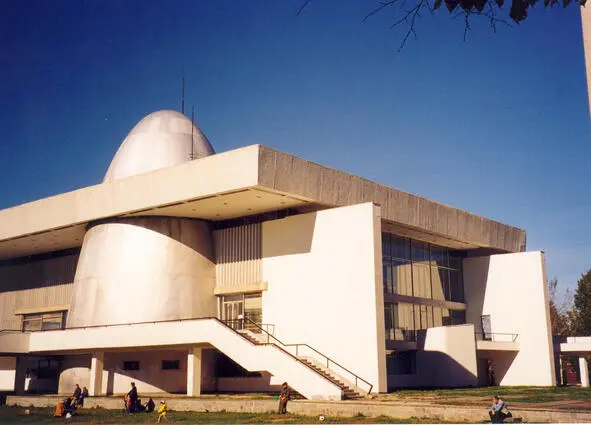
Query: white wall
{"points": [[446, 358], [323, 272], [511, 288], [7, 373]]}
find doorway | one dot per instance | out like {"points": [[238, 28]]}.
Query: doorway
{"points": [[233, 310]]}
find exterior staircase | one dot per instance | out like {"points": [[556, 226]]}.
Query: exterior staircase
{"points": [[350, 391]]}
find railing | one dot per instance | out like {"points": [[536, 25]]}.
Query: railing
{"points": [[228, 325], [247, 324], [271, 339], [496, 337]]}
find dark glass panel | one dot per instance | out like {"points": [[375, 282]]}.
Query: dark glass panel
{"points": [[386, 245], [456, 286], [400, 248]]}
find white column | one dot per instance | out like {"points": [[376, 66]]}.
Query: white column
{"points": [[584, 369], [96, 374], [194, 372]]}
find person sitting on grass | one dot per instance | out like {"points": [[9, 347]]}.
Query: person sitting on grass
{"points": [[496, 412], [150, 406], [162, 411]]}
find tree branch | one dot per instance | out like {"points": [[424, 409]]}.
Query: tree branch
{"points": [[302, 7], [382, 5]]}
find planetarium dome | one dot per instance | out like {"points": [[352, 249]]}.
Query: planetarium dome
{"points": [[160, 140]]}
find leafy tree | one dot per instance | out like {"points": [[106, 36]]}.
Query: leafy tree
{"points": [[406, 12], [582, 310], [561, 316]]}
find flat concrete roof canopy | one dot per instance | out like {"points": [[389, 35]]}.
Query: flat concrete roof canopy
{"points": [[241, 182]]}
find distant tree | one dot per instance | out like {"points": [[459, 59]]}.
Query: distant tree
{"points": [[406, 12], [582, 300], [561, 316]]}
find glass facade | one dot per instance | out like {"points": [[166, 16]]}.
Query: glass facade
{"points": [[403, 320], [420, 270]]}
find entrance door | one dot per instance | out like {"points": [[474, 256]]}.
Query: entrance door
{"points": [[233, 311]]}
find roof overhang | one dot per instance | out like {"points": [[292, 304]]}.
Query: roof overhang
{"points": [[237, 183]]}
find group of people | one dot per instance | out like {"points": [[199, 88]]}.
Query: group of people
{"points": [[133, 404], [69, 405], [498, 411]]}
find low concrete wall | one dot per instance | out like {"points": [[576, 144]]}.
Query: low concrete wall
{"points": [[399, 410]]}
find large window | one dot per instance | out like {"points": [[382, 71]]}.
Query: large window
{"points": [[422, 270], [44, 321], [403, 320]]}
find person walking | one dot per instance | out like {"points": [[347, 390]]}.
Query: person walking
{"points": [[284, 397], [162, 411]]}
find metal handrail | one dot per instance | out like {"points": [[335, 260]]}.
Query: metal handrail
{"points": [[269, 336], [328, 359], [153, 322], [484, 334]]}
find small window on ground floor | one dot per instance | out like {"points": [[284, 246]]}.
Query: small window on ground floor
{"points": [[131, 365], [170, 365]]}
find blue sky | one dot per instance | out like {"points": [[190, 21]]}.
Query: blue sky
{"points": [[497, 125]]}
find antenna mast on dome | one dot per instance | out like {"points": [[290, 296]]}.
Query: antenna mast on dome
{"points": [[183, 90], [192, 156]]}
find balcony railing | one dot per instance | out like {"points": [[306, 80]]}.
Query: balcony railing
{"points": [[496, 337]]}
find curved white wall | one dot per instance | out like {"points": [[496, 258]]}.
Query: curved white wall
{"points": [[144, 269]]}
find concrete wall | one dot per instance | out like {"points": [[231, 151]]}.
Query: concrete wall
{"points": [[143, 269], [511, 288], [150, 378], [74, 370], [7, 373], [34, 284], [446, 357], [324, 280], [249, 384], [290, 174]]}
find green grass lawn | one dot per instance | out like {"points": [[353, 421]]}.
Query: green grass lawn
{"points": [[16, 415], [510, 394]]}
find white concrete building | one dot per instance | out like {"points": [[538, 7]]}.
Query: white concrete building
{"points": [[188, 271]]}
